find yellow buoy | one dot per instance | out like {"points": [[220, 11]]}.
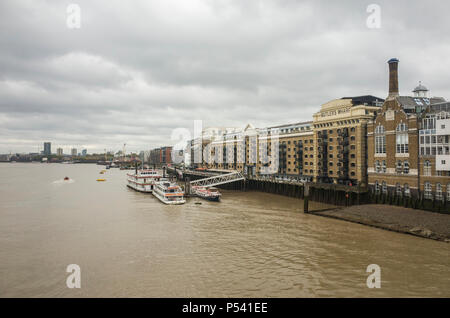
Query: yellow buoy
{"points": [[101, 179]]}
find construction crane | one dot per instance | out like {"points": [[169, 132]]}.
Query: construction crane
{"points": [[123, 152]]}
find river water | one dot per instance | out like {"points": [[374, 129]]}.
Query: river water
{"points": [[250, 244]]}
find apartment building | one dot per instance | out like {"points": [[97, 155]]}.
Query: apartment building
{"points": [[160, 156], [340, 139], [400, 145], [434, 152]]}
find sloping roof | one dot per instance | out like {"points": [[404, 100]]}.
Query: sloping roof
{"points": [[304, 123], [417, 104]]}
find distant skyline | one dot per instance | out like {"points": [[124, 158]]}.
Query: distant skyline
{"points": [[134, 71]]}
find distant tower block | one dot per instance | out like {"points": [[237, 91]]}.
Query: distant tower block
{"points": [[420, 91], [393, 78]]}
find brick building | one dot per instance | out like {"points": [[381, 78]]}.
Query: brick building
{"points": [[160, 156], [399, 162]]}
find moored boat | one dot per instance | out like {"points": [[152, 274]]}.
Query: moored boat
{"points": [[143, 180], [210, 194], [169, 192]]}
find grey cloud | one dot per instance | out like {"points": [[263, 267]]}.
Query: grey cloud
{"points": [[135, 71]]}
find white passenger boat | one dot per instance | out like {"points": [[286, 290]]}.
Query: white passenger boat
{"points": [[210, 194], [143, 180], [169, 192]]}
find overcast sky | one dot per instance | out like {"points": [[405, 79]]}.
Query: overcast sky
{"points": [[135, 70]]}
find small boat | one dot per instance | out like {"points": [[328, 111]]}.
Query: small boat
{"points": [[169, 192], [101, 179], [210, 194], [66, 178]]}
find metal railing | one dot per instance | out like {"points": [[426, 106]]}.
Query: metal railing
{"points": [[217, 180]]}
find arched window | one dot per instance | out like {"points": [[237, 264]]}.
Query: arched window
{"points": [[384, 187], [398, 189], [383, 167], [406, 167], [377, 187], [380, 139], [402, 138], [377, 166], [401, 127], [427, 168], [399, 167], [379, 129], [439, 195], [428, 193], [406, 190]]}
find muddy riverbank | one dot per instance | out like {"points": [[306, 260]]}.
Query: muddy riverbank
{"points": [[394, 218]]}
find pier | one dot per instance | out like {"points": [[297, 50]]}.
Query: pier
{"points": [[339, 195]]}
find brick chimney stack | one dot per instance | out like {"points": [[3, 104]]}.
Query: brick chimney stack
{"points": [[393, 78]]}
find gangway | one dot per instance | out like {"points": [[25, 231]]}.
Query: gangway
{"points": [[217, 180]]}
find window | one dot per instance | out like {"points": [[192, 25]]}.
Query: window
{"points": [[427, 191], [380, 140], [399, 167], [429, 123], [427, 168], [439, 192], [448, 191], [383, 166], [377, 187], [398, 189], [406, 190], [377, 166], [384, 187], [402, 138], [406, 167]]}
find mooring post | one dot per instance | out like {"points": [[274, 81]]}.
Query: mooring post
{"points": [[187, 186], [305, 198], [358, 195]]}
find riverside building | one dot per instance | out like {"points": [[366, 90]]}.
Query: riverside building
{"points": [[398, 146], [160, 156], [340, 139], [403, 143]]}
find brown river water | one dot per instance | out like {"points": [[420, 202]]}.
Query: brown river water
{"points": [[250, 244]]}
